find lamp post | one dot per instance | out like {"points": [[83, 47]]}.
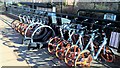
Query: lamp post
{"points": [[33, 1], [61, 6], [74, 3], [5, 5]]}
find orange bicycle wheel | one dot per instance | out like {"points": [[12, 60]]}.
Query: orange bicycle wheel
{"points": [[52, 44], [23, 28], [20, 26], [71, 55], [61, 49], [16, 26], [108, 56], [83, 59], [14, 23]]}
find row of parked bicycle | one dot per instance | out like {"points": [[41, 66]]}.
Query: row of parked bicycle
{"points": [[34, 29], [82, 45], [76, 44]]}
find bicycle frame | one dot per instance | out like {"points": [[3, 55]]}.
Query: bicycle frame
{"points": [[79, 41], [69, 33], [20, 18], [90, 43], [24, 19]]}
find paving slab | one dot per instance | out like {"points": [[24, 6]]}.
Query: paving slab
{"points": [[7, 18], [7, 56]]}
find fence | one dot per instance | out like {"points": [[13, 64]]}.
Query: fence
{"points": [[14, 11]]}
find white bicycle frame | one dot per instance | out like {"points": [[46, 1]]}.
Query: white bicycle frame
{"points": [[80, 40], [20, 18], [28, 20], [90, 43], [69, 33], [25, 21]]}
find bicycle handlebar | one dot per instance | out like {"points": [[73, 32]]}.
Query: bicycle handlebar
{"points": [[96, 22], [95, 30], [82, 28]]}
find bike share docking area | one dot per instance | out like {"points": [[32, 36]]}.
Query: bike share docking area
{"points": [[15, 54], [19, 54], [46, 39], [37, 58]]}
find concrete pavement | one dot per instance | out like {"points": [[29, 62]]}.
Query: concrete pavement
{"points": [[7, 56]]}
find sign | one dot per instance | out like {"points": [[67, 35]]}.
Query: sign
{"points": [[110, 16], [114, 39], [65, 21], [54, 20]]}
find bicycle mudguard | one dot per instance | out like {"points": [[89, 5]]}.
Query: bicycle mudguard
{"points": [[108, 56], [17, 24]]}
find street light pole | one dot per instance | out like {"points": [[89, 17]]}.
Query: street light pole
{"points": [[5, 5], [61, 6], [33, 1]]}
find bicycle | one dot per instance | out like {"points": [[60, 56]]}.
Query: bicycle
{"points": [[53, 42], [86, 56], [61, 47], [64, 50], [37, 33], [75, 49]]}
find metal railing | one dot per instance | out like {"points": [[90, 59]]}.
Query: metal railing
{"points": [[16, 10]]}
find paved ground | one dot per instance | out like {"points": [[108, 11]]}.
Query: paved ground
{"points": [[7, 56], [14, 53]]}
